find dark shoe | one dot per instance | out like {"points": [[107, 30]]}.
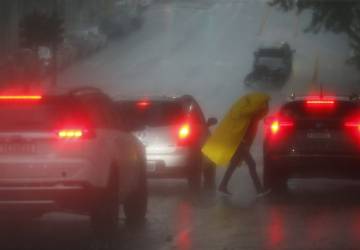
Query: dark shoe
{"points": [[263, 193], [224, 190]]}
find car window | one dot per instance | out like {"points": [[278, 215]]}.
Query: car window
{"points": [[270, 62], [155, 114], [196, 114], [101, 111], [46, 114]]}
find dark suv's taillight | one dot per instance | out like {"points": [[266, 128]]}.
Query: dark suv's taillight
{"points": [[278, 126]]}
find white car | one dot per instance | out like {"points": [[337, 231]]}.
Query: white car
{"points": [[67, 152], [173, 130]]}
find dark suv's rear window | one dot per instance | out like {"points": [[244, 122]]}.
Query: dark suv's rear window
{"points": [[339, 110], [152, 114], [39, 115]]}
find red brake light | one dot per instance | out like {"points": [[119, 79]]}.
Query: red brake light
{"points": [[275, 125], [353, 124], [184, 131], [70, 133], [320, 103], [143, 104], [74, 133], [20, 97], [352, 129]]}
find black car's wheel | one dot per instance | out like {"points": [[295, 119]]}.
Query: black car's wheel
{"points": [[194, 172], [105, 216], [273, 178], [194, 179], [135, 206]]}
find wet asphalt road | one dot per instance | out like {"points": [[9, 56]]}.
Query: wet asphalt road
{"points": [[314, 215], [205, 48]]}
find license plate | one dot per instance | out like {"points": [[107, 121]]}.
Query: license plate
{"points": [[151, 166], [319, 135], [11, 148]]}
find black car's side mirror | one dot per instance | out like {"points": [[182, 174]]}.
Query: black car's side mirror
{"points": [[211, 121]]}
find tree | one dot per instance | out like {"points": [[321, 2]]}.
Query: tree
{"points": [[339, 16], [42, 29]]}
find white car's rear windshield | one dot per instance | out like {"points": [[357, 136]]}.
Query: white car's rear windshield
{"points": [[39, 115]]}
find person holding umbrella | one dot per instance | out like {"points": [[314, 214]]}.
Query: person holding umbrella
{"points": [[231, 141]]}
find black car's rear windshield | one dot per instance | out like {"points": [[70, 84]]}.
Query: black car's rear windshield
{"points": [[151, 113], [39, 115], [338, 110]]}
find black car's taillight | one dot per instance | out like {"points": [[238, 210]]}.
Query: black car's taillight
{"points": [[278, 126]]}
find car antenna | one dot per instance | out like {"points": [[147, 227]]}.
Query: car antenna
{"points": [[292, 96]]}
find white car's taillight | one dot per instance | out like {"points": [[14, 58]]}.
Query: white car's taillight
{"points": [[74, 134], [20, 97]]}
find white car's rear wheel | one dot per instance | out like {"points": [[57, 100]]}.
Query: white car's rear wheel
{"points": [[105, 216], [135, 206]]}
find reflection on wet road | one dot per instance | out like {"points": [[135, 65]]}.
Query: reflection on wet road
{"points": [[308, 217]]}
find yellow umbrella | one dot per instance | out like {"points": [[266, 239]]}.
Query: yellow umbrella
{"points": [[222, 144]]}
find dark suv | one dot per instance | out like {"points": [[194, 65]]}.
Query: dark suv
{"points": [[312, 137], [173, 131], [271, 64]]}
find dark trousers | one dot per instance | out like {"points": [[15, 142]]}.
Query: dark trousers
{"points": [[242, 154]]}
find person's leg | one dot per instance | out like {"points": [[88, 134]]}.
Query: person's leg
{"points": [[234, 162], [249, 160], [225, 180]]}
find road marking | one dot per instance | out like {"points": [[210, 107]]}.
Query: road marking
{"points": [[265, 19]]}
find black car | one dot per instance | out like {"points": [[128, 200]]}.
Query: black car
{"points": [[312, 137], [271, 64], [173, 131]]}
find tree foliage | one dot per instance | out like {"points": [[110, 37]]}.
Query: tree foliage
{"points": [[41, 29], [339, 16]]}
